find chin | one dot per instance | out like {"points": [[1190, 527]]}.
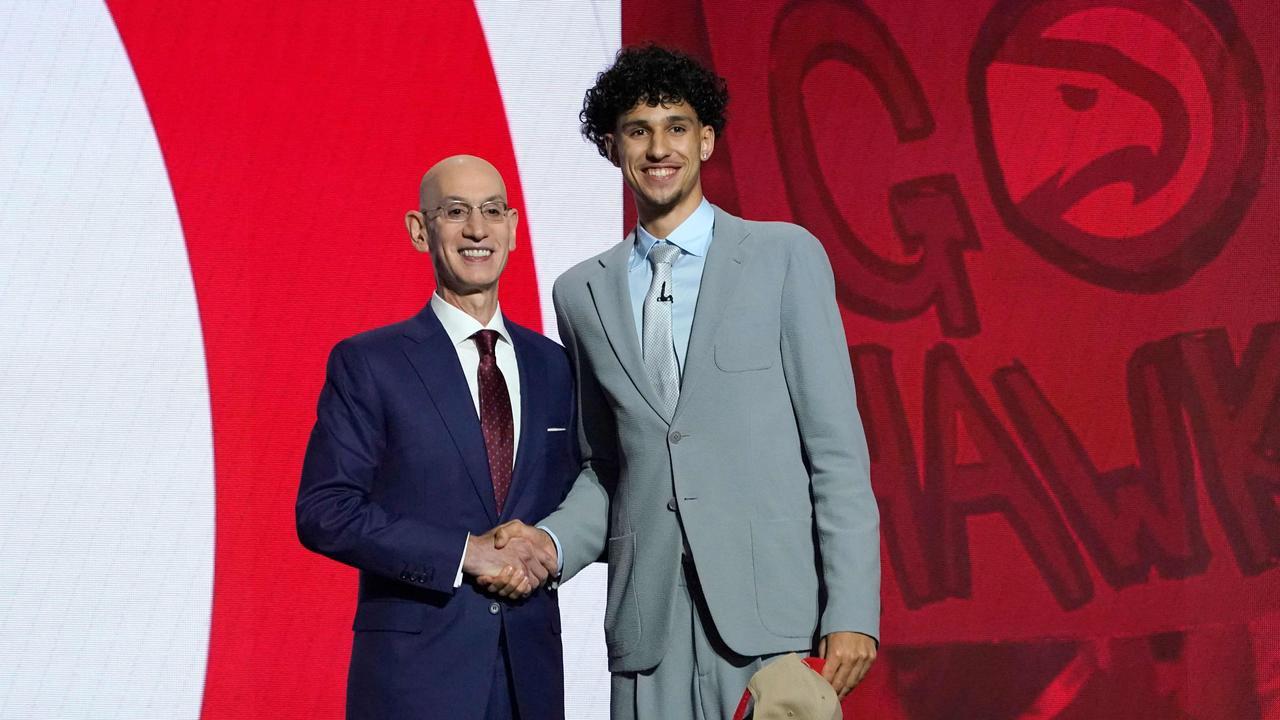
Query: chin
{"points": [[661, 204]]}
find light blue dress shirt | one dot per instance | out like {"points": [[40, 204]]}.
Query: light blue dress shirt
{"points": [[693, 237]]}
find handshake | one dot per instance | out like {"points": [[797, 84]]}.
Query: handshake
{"points": [[511, 560]]}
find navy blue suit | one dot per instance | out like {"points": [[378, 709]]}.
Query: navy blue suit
{"points": [[395, 477]]}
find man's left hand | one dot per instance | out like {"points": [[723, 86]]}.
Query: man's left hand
{"points": [[848, 657]]}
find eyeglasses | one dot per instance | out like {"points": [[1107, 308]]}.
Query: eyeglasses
{"points": [[457, 211]]}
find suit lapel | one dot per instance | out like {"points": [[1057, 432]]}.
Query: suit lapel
{"points": [[529, 445], [436, 362], [611, 293], [719, 280]]}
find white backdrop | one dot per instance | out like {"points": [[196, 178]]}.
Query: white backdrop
{"points": [[106, 451]]}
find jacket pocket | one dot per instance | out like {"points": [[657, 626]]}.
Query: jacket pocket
{"points": [[621, 610], [390, 616], [785, 575], [746, 345]]}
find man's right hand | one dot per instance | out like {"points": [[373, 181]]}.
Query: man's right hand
{"points": [[515, 534], [512, 567]]}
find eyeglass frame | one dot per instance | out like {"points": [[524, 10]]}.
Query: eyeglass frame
{"points": [[439, 210]]}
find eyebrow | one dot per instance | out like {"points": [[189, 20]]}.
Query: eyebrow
{"points": [[669, 120]]}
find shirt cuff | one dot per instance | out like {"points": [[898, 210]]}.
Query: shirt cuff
{"points": [[457, 579], [559, 551]]}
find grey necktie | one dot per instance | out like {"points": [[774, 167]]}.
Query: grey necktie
{"points": [[659, 349]]}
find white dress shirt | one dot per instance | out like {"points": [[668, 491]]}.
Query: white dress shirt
{"points": [[460, 326]]}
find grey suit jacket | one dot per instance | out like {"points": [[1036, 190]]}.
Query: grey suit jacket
{"points": [[764, 460]]}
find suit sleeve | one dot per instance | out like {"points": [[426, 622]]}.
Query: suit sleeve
{"points": [[819, 378], [580, 525], [336, 513]]}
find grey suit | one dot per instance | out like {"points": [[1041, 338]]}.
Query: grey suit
{"points": [[764, 454]]}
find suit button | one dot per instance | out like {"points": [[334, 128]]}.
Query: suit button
{"points": [[671, 504], [493, 608], [675, 438]]}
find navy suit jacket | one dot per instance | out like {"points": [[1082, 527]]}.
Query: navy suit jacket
{"points": [[395, 477]]}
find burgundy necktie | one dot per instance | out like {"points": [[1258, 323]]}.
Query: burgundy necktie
{"points": [[495, 416]]}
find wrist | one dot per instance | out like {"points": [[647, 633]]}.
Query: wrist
{"points": [[473, 555], [544, 539]]}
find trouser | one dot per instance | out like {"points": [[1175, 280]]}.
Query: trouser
{"points": [[699, 677]]}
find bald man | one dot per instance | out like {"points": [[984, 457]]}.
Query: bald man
{"points": [[428, 434]]}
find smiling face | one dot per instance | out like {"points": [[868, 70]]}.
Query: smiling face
{"points": [[468, 256], [660, 150]]}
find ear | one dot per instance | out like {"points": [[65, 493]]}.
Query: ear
{"points": [[611, 150], [416, 224], [708, 142], [513, 221]]}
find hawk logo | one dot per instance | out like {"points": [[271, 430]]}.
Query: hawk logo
{"points": [[1123, 141]]}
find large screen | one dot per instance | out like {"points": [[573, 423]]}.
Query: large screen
{"points": [[1055, 230]]}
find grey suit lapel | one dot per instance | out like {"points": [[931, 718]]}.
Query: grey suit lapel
{"points": [[719, 279], [611, 293]]}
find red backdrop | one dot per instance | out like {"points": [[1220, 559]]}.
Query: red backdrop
{"points": [[1054, 230]]}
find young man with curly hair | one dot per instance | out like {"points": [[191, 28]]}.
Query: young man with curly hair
{"points": [[725, 471]]}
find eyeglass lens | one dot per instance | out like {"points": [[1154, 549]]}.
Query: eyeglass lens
{"points": [[492, 211]]}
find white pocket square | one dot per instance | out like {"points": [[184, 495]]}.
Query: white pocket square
{"points": [[555, 429]]}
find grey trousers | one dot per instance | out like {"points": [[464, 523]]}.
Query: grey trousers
{"points": [[699, 677]]}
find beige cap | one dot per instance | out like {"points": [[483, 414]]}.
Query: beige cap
{"points": [[787, 689]]}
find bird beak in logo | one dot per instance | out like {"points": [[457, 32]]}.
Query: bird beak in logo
{"points": [[1102, 132], [1094, 135]]}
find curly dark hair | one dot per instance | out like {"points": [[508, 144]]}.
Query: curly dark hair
{"points": [[657, 76]]}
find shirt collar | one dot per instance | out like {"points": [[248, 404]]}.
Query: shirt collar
{"points": [[693, 236], [460, 326]]}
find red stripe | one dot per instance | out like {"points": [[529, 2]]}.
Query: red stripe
{"points": [[295, 137]]}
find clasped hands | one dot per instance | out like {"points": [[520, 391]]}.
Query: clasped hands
{"points": [[511, 560]]}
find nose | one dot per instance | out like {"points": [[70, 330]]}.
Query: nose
{"points": [[659, 148], [475, 227]]}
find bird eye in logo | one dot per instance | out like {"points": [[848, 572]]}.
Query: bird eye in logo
{"points": [[1123, 140]]}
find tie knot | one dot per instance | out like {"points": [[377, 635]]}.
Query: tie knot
{"points": [[663, 253], [486, 340]]}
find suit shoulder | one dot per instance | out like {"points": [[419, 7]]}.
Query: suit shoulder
{"points": [[787, 238], [370, 339], [779, 230], [370, 344], [579, 274], [537, 340]]}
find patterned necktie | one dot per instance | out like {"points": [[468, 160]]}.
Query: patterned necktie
{"points": [[659, 349], [495, 416]]}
